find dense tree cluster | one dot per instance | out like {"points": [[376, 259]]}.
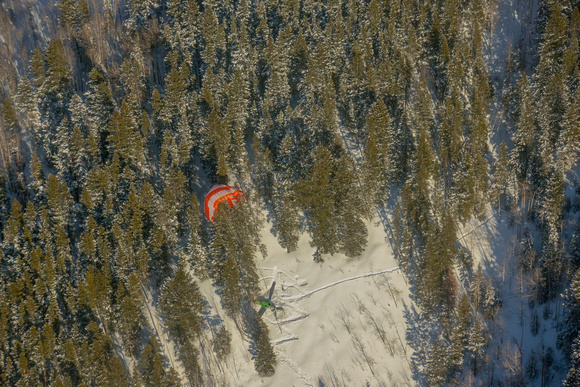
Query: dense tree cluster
{"points": [[319, 109]]}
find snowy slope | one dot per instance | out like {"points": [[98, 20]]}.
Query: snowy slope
{"points": [[493, 244], [341, 321]]}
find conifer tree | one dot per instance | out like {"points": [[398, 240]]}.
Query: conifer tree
{"points": [[265, 357], [151, 364], [130, 315], [573, 377], [479, 139], [436, 364], [57, 72], [379, 163], [38, 181], [195, 251], [523, 138], [287, 220], [552, 101], [182, 304], [188, 355], [317, 197], [421, 182], [222, 343], [138, 13], [231, 298], [350, 209], [59, 201], [100, 107], [569, 142], [476, 345], [37, 68], [501, 175], [27, 103]]}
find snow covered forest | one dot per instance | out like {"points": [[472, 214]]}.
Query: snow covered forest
{"points": [[428, 147]]}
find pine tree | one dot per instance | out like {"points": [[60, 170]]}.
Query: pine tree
{"points": [[436, 282], [125, 138], [479, 139], [265, 357], [552, 101], [37, 68], [231, 298], [425, 168], [57, 73], [316, 196], [37, 176], [569, 142], [573, 377], [195, 251], [27, 103], [151, 364], [189, 355], [287, 223], [379, 163], [436, 367], [100, 107], [476, 344], [569, 327], [501, 174], [59, 201], [352, 231], [222, 343], [68, 13], [138, 13], [130, 315], [182, 305], [523, 138]]}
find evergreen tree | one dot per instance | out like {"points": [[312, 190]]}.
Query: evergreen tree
{"points": [[436, 367], [501, 175], [222, 343], [552, 101], [59, 201], [138, 13], [569, 142], [231, 298], [476, 344], [287, 223], [27, 103], [182, 304], [130, 314], [421, 182], [379, 163], [265, 357], [316, 196], [350, 209], [523, 138], [100, 107], [195, 251], [151, 364], [573, 377]]}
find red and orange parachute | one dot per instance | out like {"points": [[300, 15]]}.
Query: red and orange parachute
{"points": [[217, 194]]}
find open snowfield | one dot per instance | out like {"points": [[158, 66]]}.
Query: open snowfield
{"points": [[341, 321]]}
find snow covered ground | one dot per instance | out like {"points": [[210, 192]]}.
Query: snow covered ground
{"points": [[341, 321], [493, 244]]}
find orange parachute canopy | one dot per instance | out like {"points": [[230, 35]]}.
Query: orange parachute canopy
{"points": [[219, 193]]}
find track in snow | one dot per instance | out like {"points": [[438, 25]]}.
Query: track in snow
{"points": [[308, 294]]}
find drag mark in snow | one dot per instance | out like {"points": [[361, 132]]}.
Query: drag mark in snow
{"points": [[295, 318], [284, 339], [308, 294]]}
